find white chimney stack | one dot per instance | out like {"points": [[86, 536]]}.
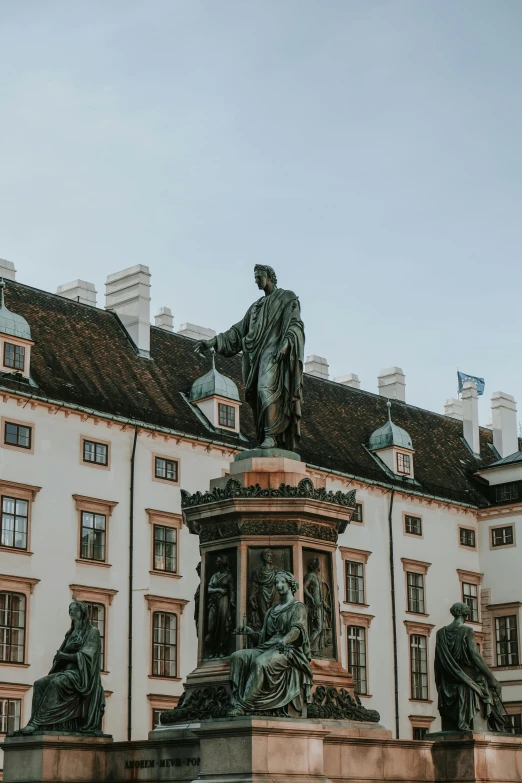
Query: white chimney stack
{"points": [[79, 291], [316, 365], [7, 270], [392, 384], [504, 416], [164, 319], [470, 416], [453, 408], [127, 293], [196, 332], [352, 379]]}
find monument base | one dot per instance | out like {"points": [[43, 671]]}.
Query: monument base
{"points": [[471, 756], [56, 758]]}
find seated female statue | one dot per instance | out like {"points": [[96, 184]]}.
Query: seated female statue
{"points": [[276, 673], [70, 698]]}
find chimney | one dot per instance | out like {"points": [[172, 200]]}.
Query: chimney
{"points": [[504, 415], [127, 293], [392, 384], [164, 319], [196, 332], [316, 365], [7, 270], [470, 416], [453, 408], [79, 291], [349, 380]]}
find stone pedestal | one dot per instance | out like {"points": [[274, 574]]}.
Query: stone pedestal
{"points": [[56, 758], [470, 756]]}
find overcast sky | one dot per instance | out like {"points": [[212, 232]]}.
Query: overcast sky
{"points": [[369, 150]]}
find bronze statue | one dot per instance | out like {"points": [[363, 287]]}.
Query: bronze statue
{"points": [[465, 685], [319, 621], [221, 598], [71, 698], [276, 673], [196, 599], [271, 339], [262, 590]]}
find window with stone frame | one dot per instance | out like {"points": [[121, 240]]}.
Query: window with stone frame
{"points": [[165, 549], [18, 435], [97, 618], [506, 639], [15, 522], [227, 415], [415, 584], [10, 715], [419, 732], [419, 667], [12, 627], [96, 453], [357, 657], [514, 723], [14, 356], [467, 537], [470, 597], [156, 716], [502, 536], [354, 582], [166, 469], [413, 525], [403, 463], [164, 644], [93, 536], [358, 513]]}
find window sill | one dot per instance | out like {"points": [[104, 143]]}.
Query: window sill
{"points": [[364, 695], [16, 665], [158, 677], [103, 671], [422, 701], [15, 550], [506, 668], [165, 573], [353, 603], [93, 563], [418, 614]]}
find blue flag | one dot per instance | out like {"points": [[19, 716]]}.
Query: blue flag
{"points": [[479, 382]]}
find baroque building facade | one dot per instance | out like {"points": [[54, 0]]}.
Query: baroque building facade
{"points": [[105, 418]]}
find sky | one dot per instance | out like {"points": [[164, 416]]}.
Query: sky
{"points": [[368, 150]]}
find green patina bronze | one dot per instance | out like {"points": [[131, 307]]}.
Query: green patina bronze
{"points": [[466, 688], [70, 699], [271, 340]]}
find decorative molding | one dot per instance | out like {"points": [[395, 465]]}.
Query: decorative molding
{"points": [[415, 566], [508, 606], [158, 603], [339, 704], [85, 592], [358, 555], [234, 489], [15, 486], [82, 501], [9, 582], [357, 618], [470, 577], [424, 629], [259, 527], [165, 518], [421, 721]]}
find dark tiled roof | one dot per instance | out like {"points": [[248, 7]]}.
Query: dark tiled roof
{"points": [[83, 356]]}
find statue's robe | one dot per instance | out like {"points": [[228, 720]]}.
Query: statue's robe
{"points": [[314, 605], [270, 384], [220, 614], [262, 595], [266, 679], [71, 697], [462, 687]]}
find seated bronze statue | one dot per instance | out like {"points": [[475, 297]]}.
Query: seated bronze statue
{"points": [[70, 698], [276, 673], [468, 692]]}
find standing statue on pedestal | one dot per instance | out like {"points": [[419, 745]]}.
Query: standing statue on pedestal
{"points": [[221, 602], [465, 685], [276, 673], [271, 339], [71, 698], [262, 590]]}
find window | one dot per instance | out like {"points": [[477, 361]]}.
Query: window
{"points": [[514, 723], [97, 618], [166, 469], [357, 657], [165, 545], [419, 667], [156, 717], [419, 732], [467, 537], [470, 597], [93, 535], [505, 493], [506, 635], [15, 521], [415, 592], [403, 463], [413, 525], [164, 645], [354, 582], [502, 536], [17, 435], [358, 513], [98, 453], [227, 415], [14, 356], [12, 627], [10, 714]]}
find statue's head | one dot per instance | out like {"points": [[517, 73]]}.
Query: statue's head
{"points": [[460, 610], [314, 564], [267, 556], [223, 563], [78, 611], [285, 581], [263, 274]]}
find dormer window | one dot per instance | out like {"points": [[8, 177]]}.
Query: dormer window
{"points": [[227, 416], [14, 356], [392, 446], [217, 397], [15, 340], [403, 464]]}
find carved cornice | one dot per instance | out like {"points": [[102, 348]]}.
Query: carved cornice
{"points": [[234, 489]]}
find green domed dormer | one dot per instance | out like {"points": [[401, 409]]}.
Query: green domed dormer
{"points": [[15, 339], [394, 447], [218, 398]]}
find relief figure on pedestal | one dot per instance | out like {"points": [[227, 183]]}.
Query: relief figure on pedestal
{"points": [[270, 338], [318, 600], [197, 598], [71, 698], [276, 673], [465, 685], [221, 603], [263, 592]]}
